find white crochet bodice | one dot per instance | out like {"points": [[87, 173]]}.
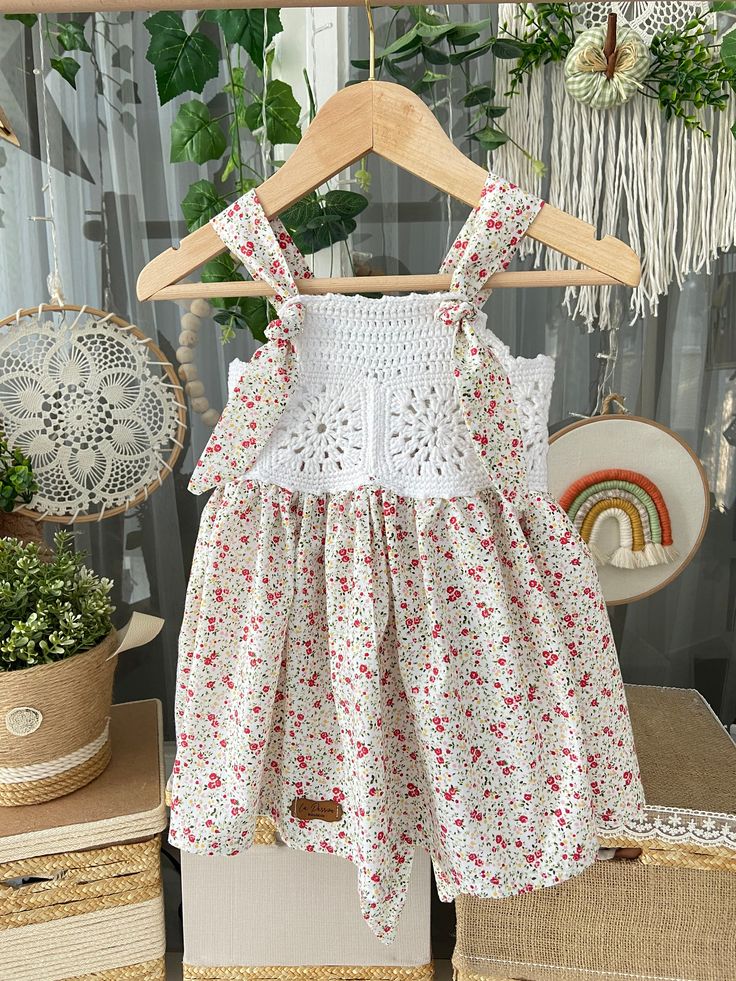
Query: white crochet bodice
{"points": [[376, 403], [410, 394]]}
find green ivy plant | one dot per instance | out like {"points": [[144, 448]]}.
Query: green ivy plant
{"points": [[17, 483], [50, 607], [249, 100], [427, 51], [62, 36]]}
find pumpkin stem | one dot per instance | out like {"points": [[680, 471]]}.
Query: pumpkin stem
{"points": [[609, 48]]}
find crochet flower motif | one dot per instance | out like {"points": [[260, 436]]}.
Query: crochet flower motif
{"points": [[428, 435], [321, 430]]}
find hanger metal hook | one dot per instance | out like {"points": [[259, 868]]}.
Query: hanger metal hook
{"points": [[371, 42]]}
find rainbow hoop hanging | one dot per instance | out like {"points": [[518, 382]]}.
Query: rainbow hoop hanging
{"points": [[636, 503]]}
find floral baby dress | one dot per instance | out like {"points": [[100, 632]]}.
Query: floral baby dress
{"points": [[387, 614]]}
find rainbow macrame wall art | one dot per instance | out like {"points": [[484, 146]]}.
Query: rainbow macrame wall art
{"points": [[645, 532]]}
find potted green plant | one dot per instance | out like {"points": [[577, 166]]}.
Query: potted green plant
{"points": [[17, 486], [57, 647]]}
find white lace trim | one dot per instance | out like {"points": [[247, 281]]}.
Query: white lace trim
{"points": [[677, 826], [376, 403]]}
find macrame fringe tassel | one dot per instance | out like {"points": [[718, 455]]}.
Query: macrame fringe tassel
{"points": [[668, 190], [624, 558], [599, 557], [660, 554], [628, 558]]}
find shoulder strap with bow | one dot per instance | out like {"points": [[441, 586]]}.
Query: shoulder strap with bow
{"points": [[257, 400], [487, 243]]}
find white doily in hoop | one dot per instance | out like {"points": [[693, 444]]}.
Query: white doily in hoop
{"points": [[94, 405], [647, 19]]}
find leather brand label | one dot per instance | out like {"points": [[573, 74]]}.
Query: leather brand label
{"points": [[305, 809]]}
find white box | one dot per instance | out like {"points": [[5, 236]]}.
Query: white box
{"points": [[274, 906]]}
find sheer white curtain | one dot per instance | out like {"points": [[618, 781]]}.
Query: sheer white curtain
{"points": [[109, 147], [116, 200]]}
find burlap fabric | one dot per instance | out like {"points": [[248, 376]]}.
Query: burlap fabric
{"points": [[618, 920], [667, 915]]}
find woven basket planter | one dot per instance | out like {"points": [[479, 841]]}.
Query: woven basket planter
{"points": [[665, 911], [81, 896], [54, 719], [54, 733], [20, 526]]}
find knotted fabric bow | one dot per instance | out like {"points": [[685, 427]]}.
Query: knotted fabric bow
{"points": [[268, 379], [485, 245]]}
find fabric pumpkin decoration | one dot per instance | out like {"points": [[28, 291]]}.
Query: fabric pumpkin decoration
{"points": [[586, 78]]}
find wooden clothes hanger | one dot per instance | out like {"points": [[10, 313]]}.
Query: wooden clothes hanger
{"points": [[391, 121], [6, 129]]}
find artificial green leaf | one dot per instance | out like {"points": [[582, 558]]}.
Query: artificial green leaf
{"points": [[507, 49], [182, 62], [435, 56], [403, 46], [323, 235], [494, 112], [195, 135], [724, 7], [423, 15], [253, 30], [404, 78], [281, 114], [257, 313], [245, 184], [478, 95], [231, 165], [302, 211], [236, 88], [252, 313], [410, 41], [67, 68], [345, 204], [433, 30], [201, 202], [728, 50], [222, 269], [467, 33], [429, 78], [71, 37], [458, 57], [26, 19], [489, 137]]}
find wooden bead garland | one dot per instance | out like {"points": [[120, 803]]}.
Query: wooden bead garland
{"points": [[191, 323]]}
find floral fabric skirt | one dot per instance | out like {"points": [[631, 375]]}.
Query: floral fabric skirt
{"points": [[441, 671]]}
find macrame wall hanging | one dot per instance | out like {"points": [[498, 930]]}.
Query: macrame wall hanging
{"points": [[87, 397], [613, 159]]}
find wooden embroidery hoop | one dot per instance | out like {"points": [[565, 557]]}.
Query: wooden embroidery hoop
{"points": [[654, 578], [167, 370]]}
